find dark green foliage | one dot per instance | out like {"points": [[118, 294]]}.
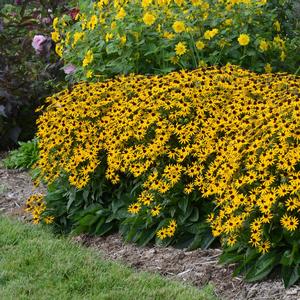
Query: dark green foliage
{"points": [[255, 266], [101, 207]]}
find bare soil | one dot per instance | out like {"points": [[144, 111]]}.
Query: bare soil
{"points": [[198, 267]]}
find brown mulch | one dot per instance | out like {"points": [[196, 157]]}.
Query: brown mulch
{"points": [[198, 267]]}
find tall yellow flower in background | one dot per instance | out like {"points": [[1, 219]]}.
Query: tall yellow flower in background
{"points": [[200, 45], [149, 18], [180, 48], [244, 39], [59, 49], [55, 24], [268, 68], [178, 26], [55, 36], [88, 58], [263, 46], [209, 34], [121, 14], [179, 2], [92, 23], [277, 26], [146, 3]]}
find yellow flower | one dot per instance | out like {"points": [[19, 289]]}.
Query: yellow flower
{"points": [[200, 45], [162, 233], [77, 36], [171, 228], [231, 241], [174, 60], [59, 50], [263, 46], [209, 34], [178, 26], [88, 58], [89, 74], [289, 223], [179, 2], [134, 208], [55, 23], [282, 56], [228, 22], [202, 63], [149, 18], [108, 37], [180, 48], [113, 25], [55, 36], [92, 23], [264, 247], [146, 3], [121, 14], [277, 26], [155, 210], [123, 39], [168, 35], [49, 219], [268, 68], [196, 2], [244, 39]]}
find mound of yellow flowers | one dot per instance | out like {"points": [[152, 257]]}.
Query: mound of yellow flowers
{"points": [[230, 134]]}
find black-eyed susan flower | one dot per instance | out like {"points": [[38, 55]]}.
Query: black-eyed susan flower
{"points": [[134, 208], [289, 223]]}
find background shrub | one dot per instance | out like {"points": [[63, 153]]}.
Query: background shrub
{"points": [[25, 77], [121, 37]]}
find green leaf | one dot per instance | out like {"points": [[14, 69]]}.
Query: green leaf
{"points": [[202, 241], [99, 225], [230, 257], [111, 48], [195, 215], [104, 229], [88, 220], [116, 204], [183, 204], [263, 266], [72, 196], [172, 212], [290, 275], [85, 194], [287, 258], [249, 258], [146, 237]]}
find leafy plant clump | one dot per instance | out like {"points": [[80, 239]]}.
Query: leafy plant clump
{"points": [[24, 157], [105, 38], [216, 146]]}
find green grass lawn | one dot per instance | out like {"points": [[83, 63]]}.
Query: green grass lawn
{"points": [[34, 264]]}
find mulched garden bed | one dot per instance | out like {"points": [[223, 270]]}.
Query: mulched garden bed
{"points": [[197, 267]]}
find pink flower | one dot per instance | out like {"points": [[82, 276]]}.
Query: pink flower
{"points": [[38, 43], [69, 69], [46, 20]]}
